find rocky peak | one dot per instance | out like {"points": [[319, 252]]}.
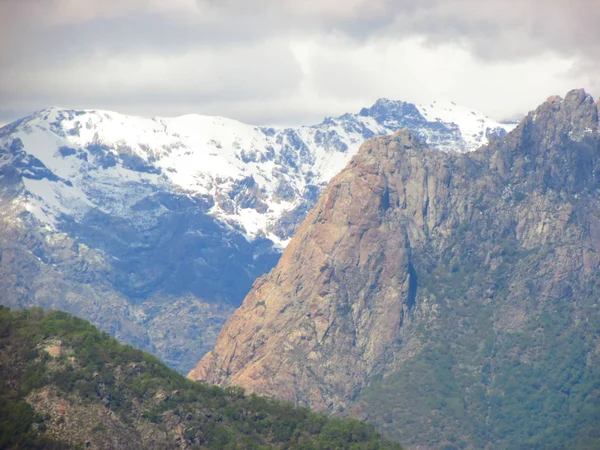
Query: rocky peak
{"points": [[340, 294], [423, 284], [387, 112], [554, 146], [574, 116]]}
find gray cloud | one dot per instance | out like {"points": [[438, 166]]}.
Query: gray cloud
{"points": [[512, 29], [272, 61]]}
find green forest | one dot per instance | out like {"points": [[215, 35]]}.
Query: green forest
{"points": [[89, 372]]}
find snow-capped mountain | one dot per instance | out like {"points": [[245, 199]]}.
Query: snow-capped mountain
{"points": [[155, 229], [250, 177]]}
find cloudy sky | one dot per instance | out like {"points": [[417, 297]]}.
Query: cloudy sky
{"points": [[293, 61]]}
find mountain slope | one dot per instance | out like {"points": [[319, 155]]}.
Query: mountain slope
{"points": [[451, 299], [155, 229], [63, 384]]}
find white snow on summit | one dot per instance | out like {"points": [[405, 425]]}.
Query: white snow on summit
{"points": [[473, 125], [256, 179]]}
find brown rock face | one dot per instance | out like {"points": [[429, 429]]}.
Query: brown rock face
{"points": [[325, 316], [420, 279]]}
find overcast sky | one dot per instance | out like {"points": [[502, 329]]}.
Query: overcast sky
{"points": [[293, 61]]}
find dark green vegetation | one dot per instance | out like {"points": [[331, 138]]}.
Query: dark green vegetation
{"points": [[61, 377], [524, 377]]}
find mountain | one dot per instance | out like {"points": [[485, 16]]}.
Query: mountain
{"points": [[64, 384], [155, 229], [450, 299]]}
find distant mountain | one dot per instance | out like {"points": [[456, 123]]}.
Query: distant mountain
{"points": [[64, 384], [247, 176], [155, 229], [450, 299]]}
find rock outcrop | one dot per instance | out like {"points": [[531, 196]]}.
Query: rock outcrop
{"points": [[441, 296]]}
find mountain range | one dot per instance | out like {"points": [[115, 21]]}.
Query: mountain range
{"points": [[155, 229]]}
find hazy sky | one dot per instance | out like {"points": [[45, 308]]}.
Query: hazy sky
{"points": [[293, 61]]}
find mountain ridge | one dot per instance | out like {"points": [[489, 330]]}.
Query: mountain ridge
{"points": [[158, 139]]}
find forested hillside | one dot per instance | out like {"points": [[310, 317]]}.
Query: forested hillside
{"points": [[64, 384]]}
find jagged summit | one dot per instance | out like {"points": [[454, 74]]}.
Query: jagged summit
{"points": [[550, 147], [575, 115]]}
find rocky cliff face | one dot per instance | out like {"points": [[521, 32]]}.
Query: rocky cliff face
{"points": [[155, 229], [314, 328], [447, 298]]}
